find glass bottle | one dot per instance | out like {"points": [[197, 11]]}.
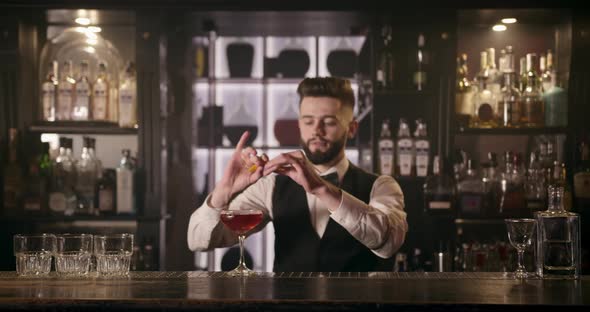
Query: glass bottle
{"points": [[471, 194], [38, 180], [49, 92], [422, 149], [558, 239], [386, 156], [13, 176], [405, 149], [512, 194], [494, 81], [464, 93], [83, 87], [439, 191], [485, 102], [62, 198], [535, 184], [420, 78], [522, 79], [547, 72], [286, 127], [386, 63], [533, 114], [125, 184], [555, 99], [492, 185], [105, 192], [582, 178], [128, 99], [66, 93], [509, 101], [100, 94], [88, 168]]}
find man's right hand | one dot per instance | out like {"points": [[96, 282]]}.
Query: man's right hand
{"points": [[244, 168]]}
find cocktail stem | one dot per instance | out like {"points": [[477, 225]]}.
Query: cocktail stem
{"points": [[521, 267], [241, 238]]}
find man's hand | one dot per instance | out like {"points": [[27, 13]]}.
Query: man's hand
{"points": [[244, 168], [296, 166]]}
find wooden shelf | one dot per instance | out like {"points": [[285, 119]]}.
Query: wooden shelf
{"points": [[468, 221], [81, 127], [511, 131], [58, 218]]}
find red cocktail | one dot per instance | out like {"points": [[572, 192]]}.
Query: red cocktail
{"points": [[240, 222]]}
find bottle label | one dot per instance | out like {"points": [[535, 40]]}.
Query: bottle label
{"points": [[57, 202], [82, 95], [422, 157], [32, 204], [65, 99], [420, 79], [582, 184], [485, 112], [386, 156], [105, 200], [380, 76], [124, 190], [439, 205], [126, 113], [471, 204], [48, 100], [405, 156], [99, 102]]}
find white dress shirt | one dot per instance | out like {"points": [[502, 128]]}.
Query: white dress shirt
{"points": [[380, 225]]}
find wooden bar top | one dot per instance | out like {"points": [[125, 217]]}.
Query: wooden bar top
{"points": [[293, 291]]}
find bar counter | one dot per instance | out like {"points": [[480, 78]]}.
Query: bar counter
{"points": [[380, 291]]}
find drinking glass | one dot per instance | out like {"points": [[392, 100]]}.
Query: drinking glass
{"points": [[520, 234], [240, 222], [33, 254], [73, 254], [113, 254]]}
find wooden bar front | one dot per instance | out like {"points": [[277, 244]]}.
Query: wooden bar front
{"points": [[205, 291]]}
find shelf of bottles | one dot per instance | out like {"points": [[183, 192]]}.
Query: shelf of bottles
{"points": [[520, 85], [87, 99]]}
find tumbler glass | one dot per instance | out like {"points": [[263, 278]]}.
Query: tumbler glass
{"points": [[113, 254], [34, 253], [73, 254]]}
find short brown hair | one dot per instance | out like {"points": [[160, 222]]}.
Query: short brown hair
{"points": [[333, 87]]}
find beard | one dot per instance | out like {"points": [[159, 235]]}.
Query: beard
{"points": [[319, 157]]}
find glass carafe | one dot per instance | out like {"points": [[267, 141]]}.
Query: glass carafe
{"points": [[286, 128]]}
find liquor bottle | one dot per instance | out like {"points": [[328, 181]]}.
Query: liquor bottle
{"points": [[558, 246], [66, 93], [386, 65], [471, 195], [485, 102], [494, 82], [547, 72], [386, 156], [439, 190], [582, 179], [422, 149], [559, 177], [464, 93], [38, 177], [125, 190], [128, 99], [149, 260], [509, 101], [535, 184], [100, 94], [420, 78], [533, 114], [405, 149], [522, 79], [555, 99], [512, 194], [48, 92], [83, 87], [13, 176], [88, 168], [492, 185], [105, 192], [62, 198]]}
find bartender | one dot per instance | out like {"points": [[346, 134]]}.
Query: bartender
{"points": [[328, 214]]}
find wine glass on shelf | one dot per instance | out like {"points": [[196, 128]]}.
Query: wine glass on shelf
{"points": [[241, 221], [520, 235]]}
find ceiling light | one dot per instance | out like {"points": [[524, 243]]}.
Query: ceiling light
{"points": [[83, 21], [509, 20], [94, 29], [499, 27]]}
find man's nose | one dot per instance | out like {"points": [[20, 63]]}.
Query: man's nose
{"points": [[319, 128]]}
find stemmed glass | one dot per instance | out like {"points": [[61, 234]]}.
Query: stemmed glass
{"points": [[240, 222], [520, 233]]}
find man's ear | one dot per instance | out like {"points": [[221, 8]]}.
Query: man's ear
{"points": [[353, 127]]}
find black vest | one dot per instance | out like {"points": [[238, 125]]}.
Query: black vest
{"points": [[298, 248]]}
